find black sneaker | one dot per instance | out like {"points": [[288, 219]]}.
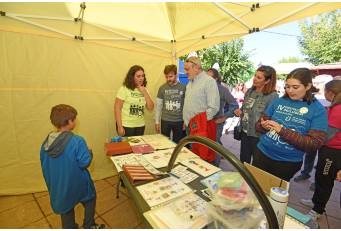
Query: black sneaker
{"points": [[98, 226]]}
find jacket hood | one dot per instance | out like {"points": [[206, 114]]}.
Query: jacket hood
{"points": [[56, 142]]}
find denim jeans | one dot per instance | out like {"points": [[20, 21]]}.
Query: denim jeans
{"points": [[68, 219], [308, 164], [175, 127], [220, 128]]}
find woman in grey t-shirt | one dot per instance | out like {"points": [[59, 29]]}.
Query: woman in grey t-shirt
{"points": [[256, 99]]}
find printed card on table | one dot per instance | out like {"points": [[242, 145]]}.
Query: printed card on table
{"points": [[160, 158], [188, 211], [200, 166], [135, 140], [163, 190], [158, 141], [131, 159], [183, 174]]}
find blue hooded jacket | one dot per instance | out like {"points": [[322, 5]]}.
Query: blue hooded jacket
{"points": [[64, 160]]}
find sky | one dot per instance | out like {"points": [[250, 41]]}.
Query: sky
{"points": [[269, 48]]}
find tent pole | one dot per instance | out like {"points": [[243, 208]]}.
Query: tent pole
{"points": [[39, 25], [39, 17], [81, 12], [230, 14], [174, 56]]}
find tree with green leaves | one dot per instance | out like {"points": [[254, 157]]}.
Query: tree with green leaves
{"points": [[233, 61], [321, 38], [290, 60]]}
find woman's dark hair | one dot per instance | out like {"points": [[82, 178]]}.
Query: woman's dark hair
{"points": [[305, 76], [216, 75], [269, 74], [129, 81], [61, 114], [335, 87]]}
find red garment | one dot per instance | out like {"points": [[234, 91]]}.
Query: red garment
{"points": [[334, 121], [200, 126]]}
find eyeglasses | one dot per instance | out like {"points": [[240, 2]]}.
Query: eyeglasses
{"points": [[192, 61]]}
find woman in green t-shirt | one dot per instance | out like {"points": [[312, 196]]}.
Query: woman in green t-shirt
{"points": [[131, 100]]}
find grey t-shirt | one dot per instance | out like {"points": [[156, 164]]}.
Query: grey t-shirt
{"points": [[172, 101]]}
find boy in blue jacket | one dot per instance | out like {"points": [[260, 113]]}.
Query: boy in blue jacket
{"points": [[64, 159]]}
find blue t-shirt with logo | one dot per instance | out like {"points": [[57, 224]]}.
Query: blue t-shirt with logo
{"points": [[296, 115]]}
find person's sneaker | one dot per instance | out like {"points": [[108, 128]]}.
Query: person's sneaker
{"points": [[307, 202], [314, 216], [301, 177], [98, 226], [312, 187]]}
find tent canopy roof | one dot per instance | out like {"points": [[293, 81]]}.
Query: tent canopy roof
{"points": [[162, 28]]}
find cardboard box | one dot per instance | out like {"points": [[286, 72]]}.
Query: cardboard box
{"points": [[266, 180]]}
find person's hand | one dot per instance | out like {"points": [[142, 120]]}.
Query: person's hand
{"points": [[271, 125], [121, 131], [237, 112], [264, 124], [338, 176], [220, 120], [157, 128]]}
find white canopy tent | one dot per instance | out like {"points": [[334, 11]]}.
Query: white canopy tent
{"points": [[78, 54]]}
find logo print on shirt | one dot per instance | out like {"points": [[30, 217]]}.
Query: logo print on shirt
{"points": [[303, 110], [172, 105], [136, 110]]}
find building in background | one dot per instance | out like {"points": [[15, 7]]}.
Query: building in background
{"points": [[333, 69]]}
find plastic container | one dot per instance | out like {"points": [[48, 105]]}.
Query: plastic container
{"points": [[279, 201]]}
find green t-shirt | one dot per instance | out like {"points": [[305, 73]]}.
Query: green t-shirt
{"points": [[133, 107]]}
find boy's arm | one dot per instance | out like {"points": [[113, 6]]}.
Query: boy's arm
{"points": [[84, 154]]}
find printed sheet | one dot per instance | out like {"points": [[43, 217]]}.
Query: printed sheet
{"points": [[160, 158], [188, 211], [200, 166], [163, 190]]}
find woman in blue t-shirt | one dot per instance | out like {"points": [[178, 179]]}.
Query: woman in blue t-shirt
{"points": [[292, 125]]}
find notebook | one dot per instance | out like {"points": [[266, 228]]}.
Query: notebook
{"points": [[117, 148]]}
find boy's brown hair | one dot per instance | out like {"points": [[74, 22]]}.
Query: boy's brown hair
{"points": [[170, 68], [61, 114]]}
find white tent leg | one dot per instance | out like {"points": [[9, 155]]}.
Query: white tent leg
{"points": [[39, 25]]}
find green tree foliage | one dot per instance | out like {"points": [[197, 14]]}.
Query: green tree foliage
{"points": [[321, 41], [290, 60], [233, 62]]}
